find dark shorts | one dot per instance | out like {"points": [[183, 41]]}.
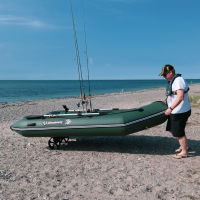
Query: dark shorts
{"points": [[176, 123]]}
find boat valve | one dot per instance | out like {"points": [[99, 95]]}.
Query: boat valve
{"points": [[66, 108]]}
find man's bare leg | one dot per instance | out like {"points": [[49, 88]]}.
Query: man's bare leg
{"points": [[183, 145]]}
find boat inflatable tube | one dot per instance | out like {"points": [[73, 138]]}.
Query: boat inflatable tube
{"points": [[114, 122]]}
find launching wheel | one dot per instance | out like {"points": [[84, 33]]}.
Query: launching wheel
{"points": [[56, 142], [65, 140]]}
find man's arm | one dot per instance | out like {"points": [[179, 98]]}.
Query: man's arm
{"points": [[180, 97]]}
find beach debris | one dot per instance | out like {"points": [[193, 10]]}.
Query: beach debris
{"points": [[4, 175], [30, 144]]}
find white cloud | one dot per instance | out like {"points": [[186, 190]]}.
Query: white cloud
{"points": [[22, 21]]}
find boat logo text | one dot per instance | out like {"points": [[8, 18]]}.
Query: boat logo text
{"points": [[49, 123], [66, 122]]}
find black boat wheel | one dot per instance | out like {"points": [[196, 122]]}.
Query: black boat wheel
{"points": [[56, 142]]}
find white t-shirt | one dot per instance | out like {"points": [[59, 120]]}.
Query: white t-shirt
{"points": [[179, 84]]}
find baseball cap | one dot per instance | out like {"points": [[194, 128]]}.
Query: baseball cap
{"points": [[166, 69]]}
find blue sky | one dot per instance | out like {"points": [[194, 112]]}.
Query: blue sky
{"points": [[127, 39]]}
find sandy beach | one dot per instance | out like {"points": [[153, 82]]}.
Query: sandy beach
{"points": [[138, 166]]}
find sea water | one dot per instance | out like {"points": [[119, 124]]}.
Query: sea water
{"points": [[26, 90]]}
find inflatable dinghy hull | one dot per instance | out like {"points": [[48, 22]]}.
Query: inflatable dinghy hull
{"points": [[61, 124]]}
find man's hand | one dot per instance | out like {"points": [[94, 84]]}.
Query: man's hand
{"points": [[168, 112]]}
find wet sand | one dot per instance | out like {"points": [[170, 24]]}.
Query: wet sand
{"points": [[138, 166]]}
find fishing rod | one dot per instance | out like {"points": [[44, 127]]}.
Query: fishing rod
{"points": [[86, 54], [78, 61], [83, 97]]}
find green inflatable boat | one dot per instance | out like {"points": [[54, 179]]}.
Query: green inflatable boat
{"points": [[59, 125]]}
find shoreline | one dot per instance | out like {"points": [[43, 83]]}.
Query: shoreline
{"points": [[97, 95], [93, 96]]}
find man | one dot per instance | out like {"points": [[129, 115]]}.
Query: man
{"points": [[179, 108]]}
